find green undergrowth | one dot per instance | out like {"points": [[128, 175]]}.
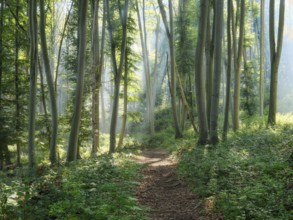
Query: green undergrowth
{"points": [[101, 188], [246, 177]]}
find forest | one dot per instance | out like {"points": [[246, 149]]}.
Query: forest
{"points": [[146, 109]]}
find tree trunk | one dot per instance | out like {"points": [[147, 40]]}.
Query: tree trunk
{"points": [[16, 84], [170, 34], [219, 10], [199, 74], [1, 49], [209, 53], [43, 101], [117, 70], [60, 48], [75, 124], [275, 57], [125, 103], [237, 65], [95, 75], [33, 80], [228, 82], [262, 57], [53, 142]]}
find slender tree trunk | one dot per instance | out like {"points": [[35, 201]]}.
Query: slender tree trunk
{"points": [[95, 75], [43, 100], [262, 57], [218, 71], [209, 53], [16, 84], [275, 57], [1, 49], [228, 82], [237, 64], [60, 48], [170, 34], [125, 103], [53, 142], [143, 39], [33, 80], [117, 70], [199, 74], [75, 124]]}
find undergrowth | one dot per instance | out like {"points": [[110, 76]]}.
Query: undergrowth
{"points": [[101, 188], [246, 177]]}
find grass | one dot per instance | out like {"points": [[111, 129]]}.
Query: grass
{"points": [[101, 188]]}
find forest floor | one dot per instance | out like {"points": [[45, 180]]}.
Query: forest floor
{"points": [[161, 189]]}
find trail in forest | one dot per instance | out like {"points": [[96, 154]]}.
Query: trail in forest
{"points": [[164, 192]]}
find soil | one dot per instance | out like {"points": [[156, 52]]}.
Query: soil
{"points": [[168, 196]]}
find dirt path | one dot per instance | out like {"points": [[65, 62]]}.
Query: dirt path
{"points": [[163, 191]]}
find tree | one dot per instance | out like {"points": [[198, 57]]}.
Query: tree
{"points": [[229, 63], [199, 74], [238, 53], [123, 14], [53, 142], [217, 71], [170, 34], [275, 57], [262, 57], [33, 80], [147, 71], [95, 76], [75, 123]]}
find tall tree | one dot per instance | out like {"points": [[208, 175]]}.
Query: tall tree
{"points": [[217, 71], [75, 123], [209, 53], [33, 80], [199, 74], [146, 62], [170, 34], [238, 53], [262, 57], [95, 76], [275, 50], [54, 113], [229, 63], [123, 14], [17, 82]]}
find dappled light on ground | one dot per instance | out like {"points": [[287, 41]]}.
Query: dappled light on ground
{"points": [[164, 192]]}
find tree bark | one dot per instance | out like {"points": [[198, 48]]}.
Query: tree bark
{"points": [[170, 34], [75, 124], [262, 57], [117, 70], [199, 74], [125, 102], [275, 57], [144, 47], [237, 65], [219, 10], [95, 76], [33, 80], [228, 82], [209, 53], [60, 48], [53, 142], [16, 84]]}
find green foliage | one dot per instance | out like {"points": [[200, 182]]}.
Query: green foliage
{"points": [[101, 188], [247, 177]]}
